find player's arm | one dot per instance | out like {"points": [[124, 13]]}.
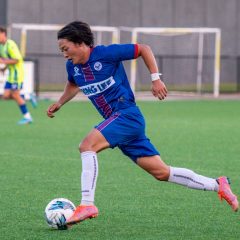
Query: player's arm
{"points": [[3, 67], [158, 87], [8, 61], [14, 54], [70, 92]]}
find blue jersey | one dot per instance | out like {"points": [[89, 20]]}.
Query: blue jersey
{"points": [[104, 81], [103, 78]]}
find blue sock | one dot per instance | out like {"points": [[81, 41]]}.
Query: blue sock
{"points": [[23, 109]]}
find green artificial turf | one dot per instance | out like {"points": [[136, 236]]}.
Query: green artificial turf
{"points": [[39, 162]]}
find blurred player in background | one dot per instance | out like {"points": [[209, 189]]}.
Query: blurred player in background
{"points": [[98, 71], [11, 57]]}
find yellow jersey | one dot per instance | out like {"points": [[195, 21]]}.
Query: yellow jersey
{"points": [[10, 50]]}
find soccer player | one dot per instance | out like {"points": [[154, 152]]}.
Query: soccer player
{"points": [[11, 57], [99, 73]]}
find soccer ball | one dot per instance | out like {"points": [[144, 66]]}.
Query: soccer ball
{"points": [[57, 211]]}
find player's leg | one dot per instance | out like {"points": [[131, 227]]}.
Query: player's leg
{"points": [[7, 91], [23, 107], [7, 94], [33, 100], [161, 171], [12, 90], [156, 167], [109, 133], [90, 146]]}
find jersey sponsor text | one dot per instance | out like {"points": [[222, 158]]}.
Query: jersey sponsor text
{"points": [[96, 88]]}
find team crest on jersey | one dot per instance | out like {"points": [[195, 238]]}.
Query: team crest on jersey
{"points": [[97, 66], [76, 70]]}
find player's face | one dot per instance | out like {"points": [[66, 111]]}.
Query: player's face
{"points": [[75, 52], [2, 37]]}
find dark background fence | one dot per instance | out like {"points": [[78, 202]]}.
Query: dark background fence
{"points": [[132, 13]]}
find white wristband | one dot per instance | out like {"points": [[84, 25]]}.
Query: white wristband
{"points": [[155, 76]]}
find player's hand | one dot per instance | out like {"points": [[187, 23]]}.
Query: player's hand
{"points": [[52, 109], [3, 66], [159, 89]]}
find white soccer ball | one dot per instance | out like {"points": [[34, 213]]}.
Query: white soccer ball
{"points": [[57, 211]]}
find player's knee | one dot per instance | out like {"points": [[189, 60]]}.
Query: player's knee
{"points": [[81, 147], [6, 97], [85, 145], [16, 95], [162, 175]]}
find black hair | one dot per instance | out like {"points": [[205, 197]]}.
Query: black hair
{"points": [[77, 32], [3, 30]]}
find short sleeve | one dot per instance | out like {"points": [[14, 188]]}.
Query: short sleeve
{"points": [[13, 50], [120, 52], [69, 72]]}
